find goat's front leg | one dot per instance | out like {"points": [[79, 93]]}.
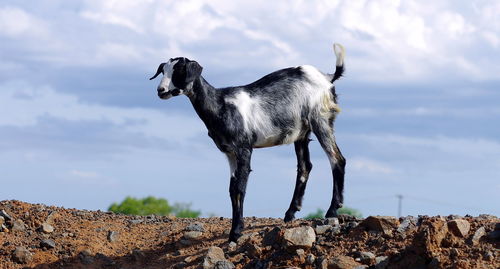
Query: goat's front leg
{"points": [[237, 188]]}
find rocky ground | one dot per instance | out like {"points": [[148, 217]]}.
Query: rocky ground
{"points": [[40, 236]]}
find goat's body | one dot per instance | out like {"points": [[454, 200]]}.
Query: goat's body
{"points": [[274, 110], [281, 108]]}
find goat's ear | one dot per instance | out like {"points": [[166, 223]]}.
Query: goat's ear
{"points": [[193, 70], [160, 70]]}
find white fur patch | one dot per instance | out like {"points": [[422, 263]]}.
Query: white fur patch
{"points": [[166, 81], [254, 118], [339, 53]]}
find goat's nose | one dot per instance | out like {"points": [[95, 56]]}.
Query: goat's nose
{"points": [[161, 89]]}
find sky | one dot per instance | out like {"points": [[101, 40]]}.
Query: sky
{"points": [[81, 125]]}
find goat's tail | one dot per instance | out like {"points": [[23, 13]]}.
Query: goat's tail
{"points": [[339, 66]]}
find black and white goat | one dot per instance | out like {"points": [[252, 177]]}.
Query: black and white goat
{"points": [[280, 108]]}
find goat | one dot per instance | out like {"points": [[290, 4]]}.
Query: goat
{"points": [[282, 107]]}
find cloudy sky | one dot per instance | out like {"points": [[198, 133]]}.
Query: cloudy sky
{"points": [[81, 125]]}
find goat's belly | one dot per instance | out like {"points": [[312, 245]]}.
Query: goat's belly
{"points": [[282, 138]]}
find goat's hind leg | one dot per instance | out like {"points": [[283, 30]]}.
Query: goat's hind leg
{"points": [[304, 167], [323, 129]]}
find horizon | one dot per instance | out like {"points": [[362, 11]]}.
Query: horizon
{"points": [[81, 125]]}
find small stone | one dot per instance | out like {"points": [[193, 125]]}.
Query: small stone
{"points": [[48, 243], [2, 220], [489, 256], [232, 246], [299, 237], [197, 226], [191, 235], [480, 232], [342, 262], [51, 217], [22, 255], [459, 227], [310, 259], [189, 259], [408, 223], [321, 229], [366, 257], [18, 225], [138, 254], [5, 215], [214, 254], [47, 228], [180, 265], [381, 262], [383, 224], [254, 250], [332, 221], [135, 221], [107, 261], [112, 236], [247, 237], [238, 258], [224, 265]]}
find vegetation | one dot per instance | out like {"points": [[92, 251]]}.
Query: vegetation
{"points": [[320, 213], [151, 205]]}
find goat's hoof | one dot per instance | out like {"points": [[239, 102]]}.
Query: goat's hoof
{"points": [[289, 217], [234, 237], [331, 214]]}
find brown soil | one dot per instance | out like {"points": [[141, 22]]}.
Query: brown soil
{"points": [[82, 241]]}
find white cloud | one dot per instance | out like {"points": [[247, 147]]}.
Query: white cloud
{"points": [[15, 22], [368, 166], [25, 104]]}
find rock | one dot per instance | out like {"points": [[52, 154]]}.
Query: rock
{"points": [[459, 227], [310, 259], [18, 225], [321, 229], [189, 259], [112, 236], [480, 232], [2, 220], [106, 261], [497, 226], [383, 224], [299, 237], [191, 235], [366, 257], [46, 228], [381, 262], [214, 254], [22, 255], [342, 262], [135, 221], [50, 218], [408, 223], [224, 265], [488, 255], [48, 243], [180, 265], [197, 226], [5, 215], [247, 237], [232, 246], [430, 235], [332, 221], [138, 254], [254, 251]]}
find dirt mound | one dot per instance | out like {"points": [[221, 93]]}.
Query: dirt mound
{"points": [[39, 236]]}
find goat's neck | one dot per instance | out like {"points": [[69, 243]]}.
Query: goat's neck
{"points": [[205, 100]]}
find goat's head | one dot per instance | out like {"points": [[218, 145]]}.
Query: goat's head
{"points": [[178, 77]]}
